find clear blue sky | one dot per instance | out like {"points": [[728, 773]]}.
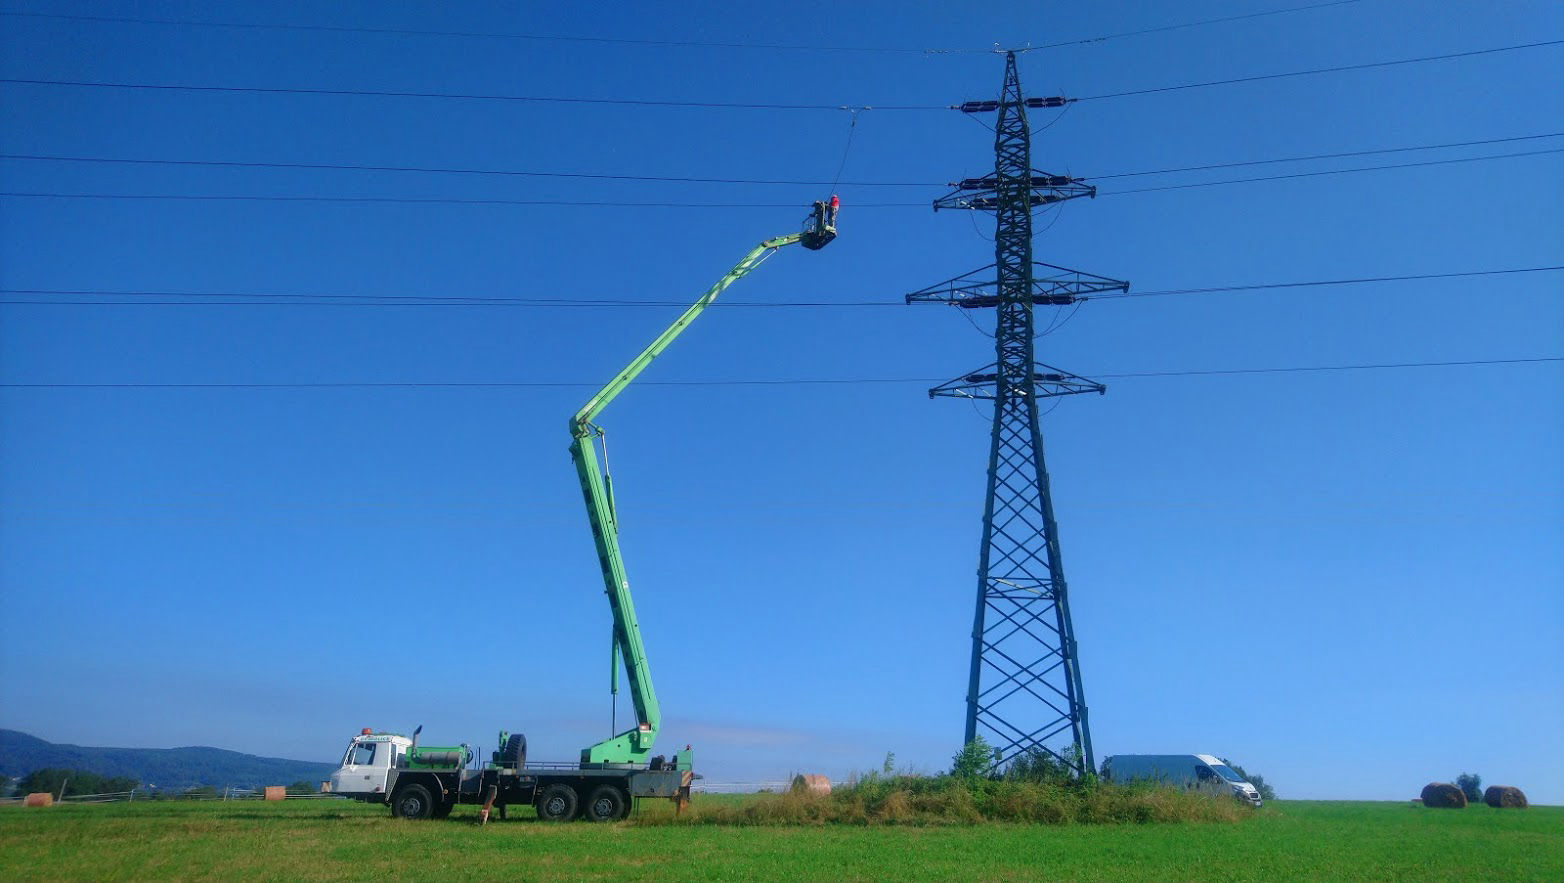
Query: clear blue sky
{"points": [[1349, 581]]}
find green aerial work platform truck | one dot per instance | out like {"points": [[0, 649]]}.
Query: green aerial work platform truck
{"points": [[420, 782]]}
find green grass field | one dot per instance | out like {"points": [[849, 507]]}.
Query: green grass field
{"points": [[332, 840]]}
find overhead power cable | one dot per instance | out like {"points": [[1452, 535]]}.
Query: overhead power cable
{"points": [[695, 44], [464, 96], [1407, 165], [434, 200], [1293, 369], [1190, 24], [641, 102], [1321, 70], [239, 298], [1341, 155], [586, 203], [682, 179], [1362, 280]]}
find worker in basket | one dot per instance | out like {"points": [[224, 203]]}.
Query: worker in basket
{"points": [[820, 226]]}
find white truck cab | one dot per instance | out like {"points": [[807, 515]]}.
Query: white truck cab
{"points": [[1181, 770], [367, 764]]}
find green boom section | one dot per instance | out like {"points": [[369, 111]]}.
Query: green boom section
{"points": [[635, 745]]}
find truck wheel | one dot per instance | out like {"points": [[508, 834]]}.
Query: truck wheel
{"points": [[515, 751], [557, 803], [607, 804], [412, 802], [443, 810]]}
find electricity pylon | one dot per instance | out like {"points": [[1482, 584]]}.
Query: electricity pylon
{"points": [[1024, 691]]}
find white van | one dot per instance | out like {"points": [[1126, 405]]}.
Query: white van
{"points": [[1180, 770]]}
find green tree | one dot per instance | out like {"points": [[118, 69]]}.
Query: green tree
{"points": [[302, 787], [1471, 785], [975, 759], [1255, 779], [75, 782]]}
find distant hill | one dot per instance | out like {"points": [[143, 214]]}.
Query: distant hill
{"points": [[20, 754]]}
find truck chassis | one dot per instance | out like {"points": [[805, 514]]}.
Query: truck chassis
{"points": [[559, 792]]}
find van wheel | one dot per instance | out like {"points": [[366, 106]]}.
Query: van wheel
{"points": [[606, 804], [412, 802], [557, 803]]}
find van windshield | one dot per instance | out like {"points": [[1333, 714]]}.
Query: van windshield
{"points": [[1226, 772]]}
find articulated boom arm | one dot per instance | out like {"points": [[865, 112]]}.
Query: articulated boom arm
{"points": [[634, 746]]}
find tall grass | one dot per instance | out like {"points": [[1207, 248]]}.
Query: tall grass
{"points": [[875, 799]]}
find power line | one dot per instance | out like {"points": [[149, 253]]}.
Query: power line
{"points": [[700, 44], [580, 203], [1306, 368], [435, 200], [389, 300], [680, 179], [1321, 70], [1324, 282], [1341, 155], [771, 382], [1409, 165], [465, 96], [673, 179], [1192, 24], [637, 102]]}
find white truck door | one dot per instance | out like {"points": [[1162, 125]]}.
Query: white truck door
{"points": [[364, 769]]}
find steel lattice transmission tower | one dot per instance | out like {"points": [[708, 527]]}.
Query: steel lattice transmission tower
{"points": [[1024, 693]]}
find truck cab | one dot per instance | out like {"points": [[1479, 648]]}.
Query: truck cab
{"points": [[367, 765]]}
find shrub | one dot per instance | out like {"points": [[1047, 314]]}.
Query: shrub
{"points": [[1471, 785], [975, 759], [874, 799], [1040, 765]]}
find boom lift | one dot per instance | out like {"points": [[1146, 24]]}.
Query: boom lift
{"points": [[633, 746], [428, 782]]}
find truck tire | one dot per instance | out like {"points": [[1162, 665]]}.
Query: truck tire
{"points": [[607, 803], [412, 802], [515, 751], [557, 803], [443, 810]]}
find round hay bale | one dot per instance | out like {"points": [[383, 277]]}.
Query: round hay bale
{"points": [[276, 792], [811, 784], [1443, 795], [1505, 797], [39, 798]]}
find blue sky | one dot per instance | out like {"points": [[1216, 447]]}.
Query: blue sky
{"points": [[1348, 581]]}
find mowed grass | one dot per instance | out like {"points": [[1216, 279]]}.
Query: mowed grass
{"points": [[343, 841]]}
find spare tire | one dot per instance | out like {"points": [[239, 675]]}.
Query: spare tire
{"points": [[514, 754]]}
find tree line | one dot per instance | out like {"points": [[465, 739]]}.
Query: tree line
{"points": [[80, 783]]}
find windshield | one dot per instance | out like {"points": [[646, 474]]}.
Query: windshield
{"points": [[362, 754], [1226, 772]]}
